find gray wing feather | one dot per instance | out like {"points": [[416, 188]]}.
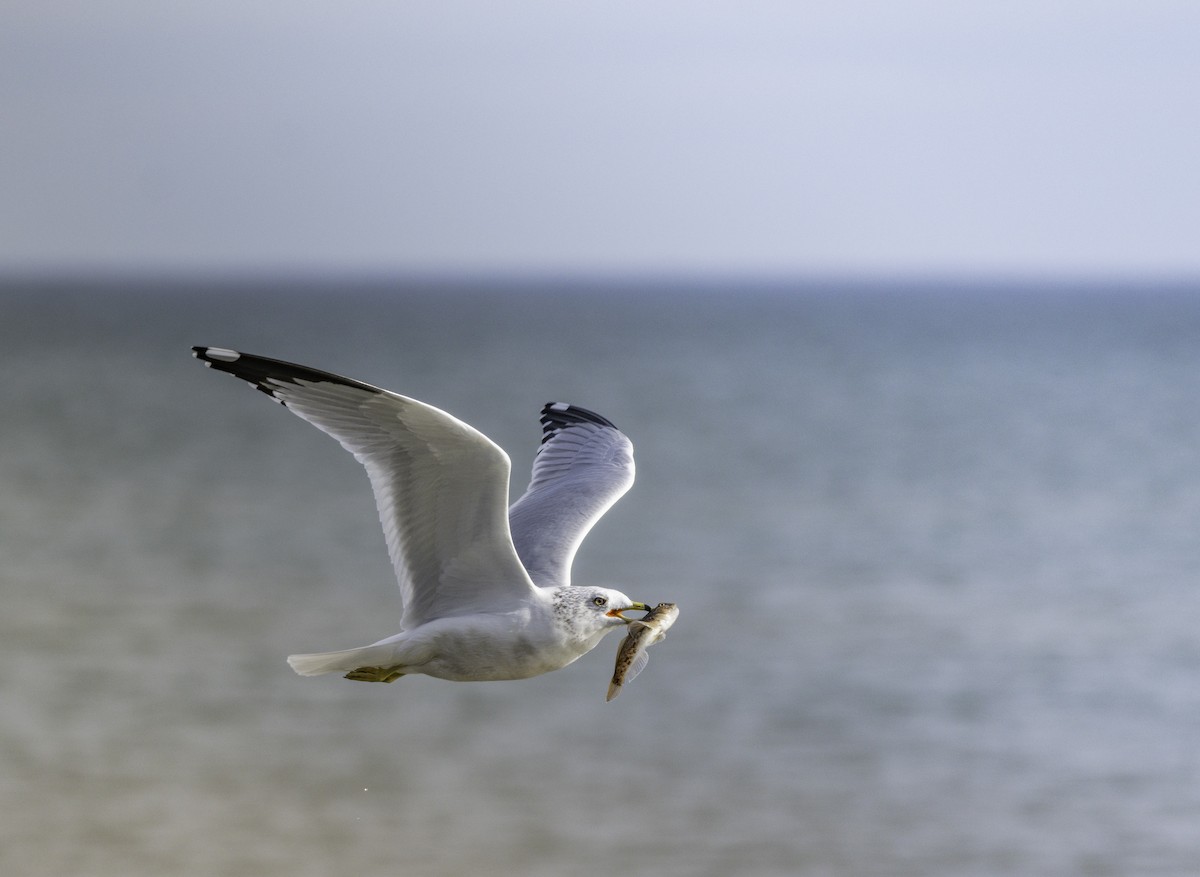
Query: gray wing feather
{"points": [[585, 464], [440, 485]]}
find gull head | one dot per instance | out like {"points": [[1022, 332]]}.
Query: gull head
{"points": [[593, 611]]}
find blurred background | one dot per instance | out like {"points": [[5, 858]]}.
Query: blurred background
{"points": [[1044, 138], [897, 303]]}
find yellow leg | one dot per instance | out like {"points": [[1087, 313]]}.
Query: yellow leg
{"points": [[375, 674]]}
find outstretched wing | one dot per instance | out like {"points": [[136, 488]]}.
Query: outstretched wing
{"points": [[441, 486], [584, 465]]}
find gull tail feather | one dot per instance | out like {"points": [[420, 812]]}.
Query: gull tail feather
{"points": [[319, 663]]}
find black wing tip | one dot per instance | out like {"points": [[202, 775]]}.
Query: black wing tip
{"points": [[211, 355], [258, 370], [238, 364], [560, 415]]}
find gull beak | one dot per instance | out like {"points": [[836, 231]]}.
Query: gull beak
{"points": [[636, 607]]}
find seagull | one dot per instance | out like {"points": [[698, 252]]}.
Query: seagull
{"points": [[486, 590]]}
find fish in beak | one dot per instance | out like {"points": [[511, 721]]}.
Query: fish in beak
{"points": [[632, 654]]}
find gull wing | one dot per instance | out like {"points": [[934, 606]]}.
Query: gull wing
{"points": [[584, 465], [441, 485]]}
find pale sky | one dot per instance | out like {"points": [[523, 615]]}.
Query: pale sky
{"points": [[883, 138]]}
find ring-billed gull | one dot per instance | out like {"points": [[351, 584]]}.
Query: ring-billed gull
{"points": [[486, 590]]}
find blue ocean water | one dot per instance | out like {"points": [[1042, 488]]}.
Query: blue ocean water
{"points": [[935, 549]]}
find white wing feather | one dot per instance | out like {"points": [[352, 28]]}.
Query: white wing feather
{"points": [[585, 464], [441, 486]]}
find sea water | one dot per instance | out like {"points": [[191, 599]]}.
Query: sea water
{"points": [[936, 551]]}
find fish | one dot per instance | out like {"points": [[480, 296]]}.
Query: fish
{"points": [[632, 655]]}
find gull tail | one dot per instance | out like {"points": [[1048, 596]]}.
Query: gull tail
{"points": [[344, 661]]}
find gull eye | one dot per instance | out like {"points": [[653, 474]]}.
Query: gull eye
{"points": [[599, 601]]}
